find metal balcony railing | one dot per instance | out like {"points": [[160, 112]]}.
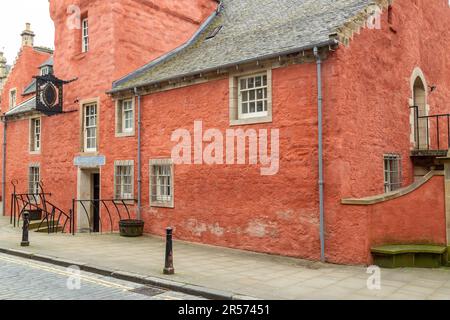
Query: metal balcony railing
{"points": [[431, 132]]}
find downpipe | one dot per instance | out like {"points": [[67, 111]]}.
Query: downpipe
{"points": [[5, 124], [320, 145], [139, 154]]}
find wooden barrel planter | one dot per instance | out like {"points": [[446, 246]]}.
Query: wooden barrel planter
{"points": [[131, 228]]}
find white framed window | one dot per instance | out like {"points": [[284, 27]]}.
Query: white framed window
{"points": [[90, 127], [161, 183], [12, 98], [34, 177], [46, 70], [251, 98], [125, 117], [124, 178], [253, 93], [35, 135], [392, 172], [85, 35]]}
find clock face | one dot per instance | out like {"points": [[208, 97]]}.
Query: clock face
{"points": [[49, 95]]}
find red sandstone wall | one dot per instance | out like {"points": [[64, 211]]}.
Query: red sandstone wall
{"points": [[365, 102], [367, 91], [121, 39], [235, 206], [26, 66], [153, 28], [418, 217]]}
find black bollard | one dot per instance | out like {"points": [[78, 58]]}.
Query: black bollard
{"points": [[168, 269], [26, 223]]}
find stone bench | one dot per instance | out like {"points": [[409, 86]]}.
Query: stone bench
{"points": [[416, 256]]}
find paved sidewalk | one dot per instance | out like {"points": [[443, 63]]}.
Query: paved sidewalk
{"points": [[229, 272]]}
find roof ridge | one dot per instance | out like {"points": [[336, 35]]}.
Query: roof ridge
{"points": [[173, 52]]}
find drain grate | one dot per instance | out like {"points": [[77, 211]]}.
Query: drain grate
{"points": [[148, 291]]}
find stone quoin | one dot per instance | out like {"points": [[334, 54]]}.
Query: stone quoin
{"points": [[138, 71]]}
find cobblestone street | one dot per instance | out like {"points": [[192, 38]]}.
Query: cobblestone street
{"points": [[22, 279], [217, 270]]}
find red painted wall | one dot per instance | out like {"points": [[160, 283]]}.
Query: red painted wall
{"points": [[122, 38], [26, 66], [234, 205], [366, 109], [418, 217], [366, 90]]}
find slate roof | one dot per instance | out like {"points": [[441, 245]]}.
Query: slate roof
{"points": [[251, 30], [49, 62], [26, 106], [31, 88]]}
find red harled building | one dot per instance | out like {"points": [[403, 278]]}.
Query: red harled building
{"points": [[353, 95]]}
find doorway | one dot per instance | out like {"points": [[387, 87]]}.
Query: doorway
{"points": [[420, 124], [88, 205], [96, 202]]}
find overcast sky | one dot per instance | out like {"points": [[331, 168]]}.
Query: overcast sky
{"points": [[15, 13]]}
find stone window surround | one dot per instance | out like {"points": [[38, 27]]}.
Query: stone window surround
{"points": [[85, 38], [156, 162], [124, 163], [119, 113], [30, 166], [32, 137], [11, 106], [82, 104], [388, 184], [234, 98], [417, 73]]}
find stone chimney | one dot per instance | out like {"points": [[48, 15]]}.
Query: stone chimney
{"points": [[27, 36], [2, 65]]}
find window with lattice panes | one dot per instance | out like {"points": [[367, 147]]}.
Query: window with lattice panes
{"points": [[125, 117], [161, 183], [392, 172], [253, 96], [35, 135], [124, 173]]}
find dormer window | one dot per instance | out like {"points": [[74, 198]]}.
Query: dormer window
{"points": [[46, 70], [12, 98]]}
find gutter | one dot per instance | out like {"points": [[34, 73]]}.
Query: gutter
{"points": [[139, 154], [320, 144], [331, 42]]}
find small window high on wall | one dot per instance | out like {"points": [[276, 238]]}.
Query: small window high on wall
{"points": [[35, 135], [85, 35], [392, 172]]}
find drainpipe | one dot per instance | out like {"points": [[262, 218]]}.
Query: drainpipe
{"points": [[320, 143], [139, 156], [5, 123]]}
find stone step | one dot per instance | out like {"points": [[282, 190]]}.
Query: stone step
{"points": [[35, 224], [52, 230]]}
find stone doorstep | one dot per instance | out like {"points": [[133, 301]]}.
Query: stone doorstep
{"points": [[186, 288]]}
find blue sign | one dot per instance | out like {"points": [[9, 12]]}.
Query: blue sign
{"points": [[90, 162]]}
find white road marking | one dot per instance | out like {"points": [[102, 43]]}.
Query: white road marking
{"points": [[86, 278]]}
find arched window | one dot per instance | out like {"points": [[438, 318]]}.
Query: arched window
{"points": [[419, 109]]}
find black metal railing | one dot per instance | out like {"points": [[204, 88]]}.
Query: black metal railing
{"points": [[431, 132], [110, 212], [53, 218]]}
